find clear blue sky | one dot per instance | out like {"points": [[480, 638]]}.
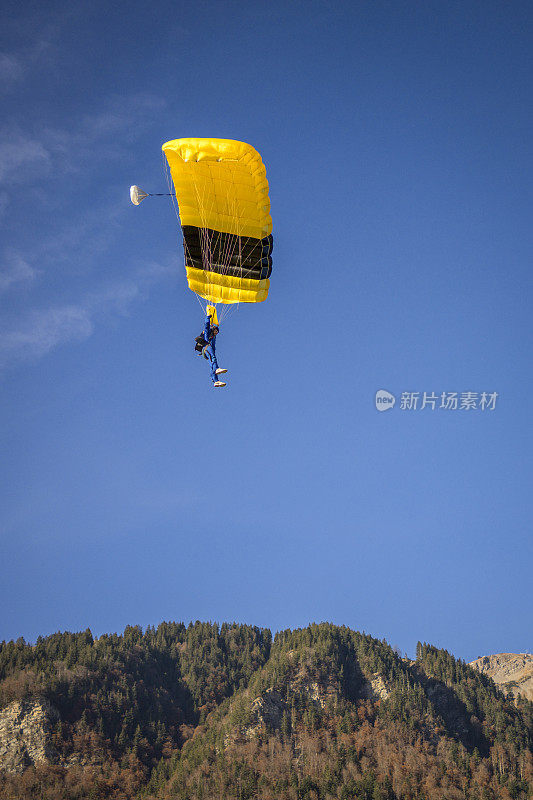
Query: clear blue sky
{"points": [[398, 143]]}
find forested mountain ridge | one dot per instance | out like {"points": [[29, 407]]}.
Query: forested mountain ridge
{"points": [[206, 711]]}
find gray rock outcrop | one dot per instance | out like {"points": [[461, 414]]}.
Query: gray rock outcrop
{"points": [[375, 688], [513, 672], [25, 734], [268, 709]]}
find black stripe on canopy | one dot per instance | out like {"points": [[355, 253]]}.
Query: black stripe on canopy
{"points": [[226, 253]]}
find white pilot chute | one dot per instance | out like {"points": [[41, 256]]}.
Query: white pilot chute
{"points": [[137, 195]]}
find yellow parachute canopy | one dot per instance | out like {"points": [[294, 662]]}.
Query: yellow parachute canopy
{"points": [[224, 208]]}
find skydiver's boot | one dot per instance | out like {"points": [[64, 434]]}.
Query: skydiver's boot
{"points": [[218, 384], [220, 371]]}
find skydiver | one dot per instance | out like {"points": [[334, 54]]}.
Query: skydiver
{"points": [[208, 350]]}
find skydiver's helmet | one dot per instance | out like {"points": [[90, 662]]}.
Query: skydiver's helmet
{"points": [[215, 330]]}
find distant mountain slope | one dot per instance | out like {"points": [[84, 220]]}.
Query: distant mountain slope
{"points": [[208, 712], [512, 671]]}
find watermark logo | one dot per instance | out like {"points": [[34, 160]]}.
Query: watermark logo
{"points": [[384, 400], [441, 401]]}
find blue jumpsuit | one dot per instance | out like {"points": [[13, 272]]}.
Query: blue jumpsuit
{"points": [[210, 337]]}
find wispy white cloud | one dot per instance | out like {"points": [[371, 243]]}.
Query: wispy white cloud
{"points": [[27, 157], [43, 330], [117, 297], [19, 63], [71, 250], [128, 115], [88, 234], [11, 69], [74, 245], [15, 270], [22, 157]]}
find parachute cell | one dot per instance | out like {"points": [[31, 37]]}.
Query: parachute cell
{"points": [[224, 209]]}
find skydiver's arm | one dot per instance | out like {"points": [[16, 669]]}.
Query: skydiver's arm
{"points": [[207, 328]]}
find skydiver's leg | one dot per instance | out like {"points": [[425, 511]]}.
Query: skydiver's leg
{"points": [[209, 353], [214, 367]]}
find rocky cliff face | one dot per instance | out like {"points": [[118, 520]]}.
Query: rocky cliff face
{"points": [[513, 672], [25, 734], [376, 688], [268, 709]]}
